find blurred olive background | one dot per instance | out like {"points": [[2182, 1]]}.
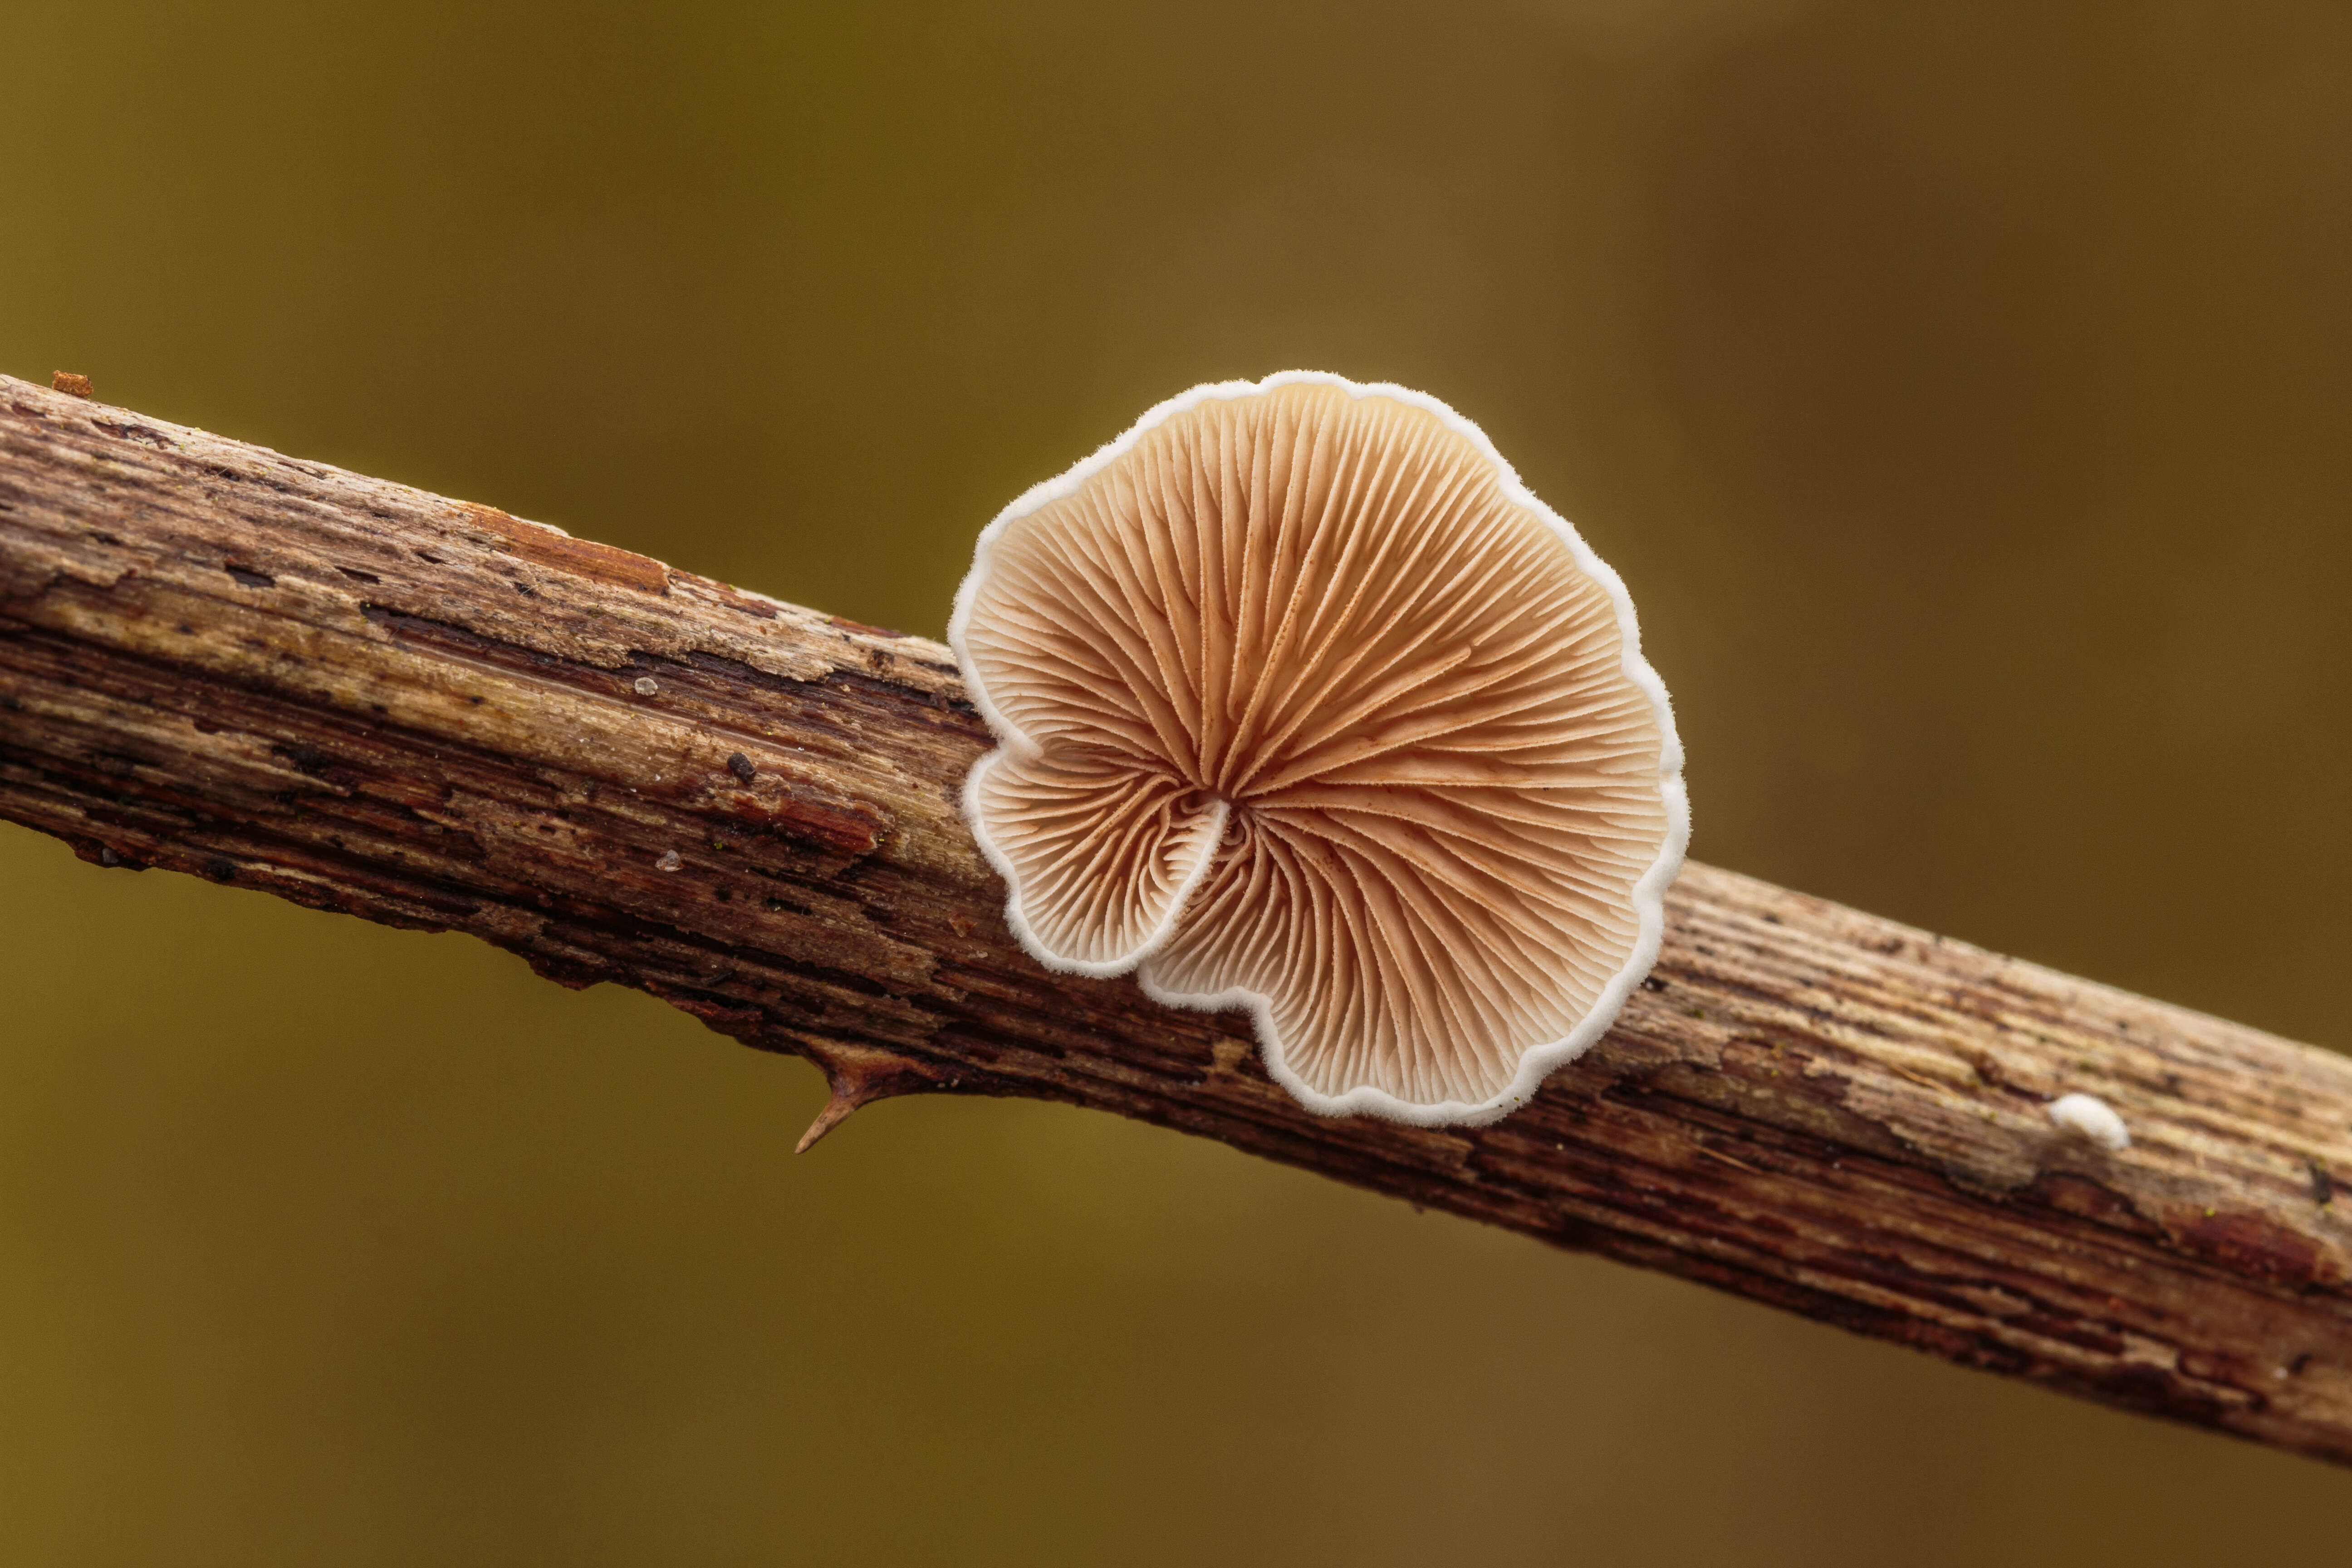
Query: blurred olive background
{"points": [[1964, 391]]}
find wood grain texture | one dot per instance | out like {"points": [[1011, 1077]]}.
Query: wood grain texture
{"points": [[361, 697]]}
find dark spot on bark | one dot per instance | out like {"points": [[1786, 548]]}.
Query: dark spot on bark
{"points": [[2323, 1185], [2076, 1194], [2294, 1367], [475, 701], [221, 870], [570, 974], [522, 588], [861, 628], [306, 760], [740, 766], [129, 432], [1652, 983], [186, 630], [356, 576], [428, 556], [2156, 1392], [2256, 1245], [252, 579]]}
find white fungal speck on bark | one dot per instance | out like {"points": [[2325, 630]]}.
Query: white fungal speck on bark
{"points": [[2088, 1116]]}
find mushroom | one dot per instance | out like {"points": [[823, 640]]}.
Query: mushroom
{"points": [[1306, 705]]}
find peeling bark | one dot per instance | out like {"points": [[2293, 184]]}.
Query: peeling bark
{"points": [[361, 697]]}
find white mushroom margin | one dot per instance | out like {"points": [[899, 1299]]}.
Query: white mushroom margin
{"points": [[1649, 893]]}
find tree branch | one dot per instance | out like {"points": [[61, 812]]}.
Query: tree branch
{"points": [[364, 697]]}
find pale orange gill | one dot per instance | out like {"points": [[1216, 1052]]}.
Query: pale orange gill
{"points": [[1307, 706]]}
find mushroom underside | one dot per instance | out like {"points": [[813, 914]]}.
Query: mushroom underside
{"points": [[1308, 708]]}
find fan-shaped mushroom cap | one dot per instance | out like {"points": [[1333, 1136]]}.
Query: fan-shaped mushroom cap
{"points": [[1307, 706]]}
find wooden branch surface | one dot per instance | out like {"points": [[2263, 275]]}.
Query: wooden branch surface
{"points": [[278, 675]]}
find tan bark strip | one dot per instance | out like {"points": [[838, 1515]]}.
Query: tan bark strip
{"points": [[364, 697]]}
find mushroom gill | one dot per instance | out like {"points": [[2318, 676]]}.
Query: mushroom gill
{"points": [[1306, 705]]}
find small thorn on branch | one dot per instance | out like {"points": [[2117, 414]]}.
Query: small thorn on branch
{"points": [[856, 1078], [837, 1111]]}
